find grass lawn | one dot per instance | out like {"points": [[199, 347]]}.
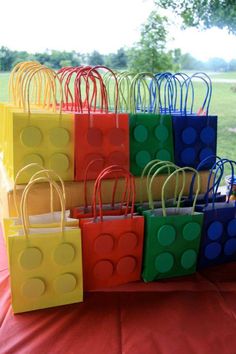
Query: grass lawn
{"points": [[223, 104]]}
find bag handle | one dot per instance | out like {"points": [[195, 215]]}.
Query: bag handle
{"points": [[160, 169], [183, 169], [23, 212], [97, 190], [124, 83], [176, 84]]}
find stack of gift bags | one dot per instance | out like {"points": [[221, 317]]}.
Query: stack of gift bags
{"points": [[141, 133]]}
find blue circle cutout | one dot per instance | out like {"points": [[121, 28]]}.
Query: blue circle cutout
{"points": [[215, 230], [189, 135], [207, 135], [230, 247], [231, 228], [188, 156], [212, 250], [206, 153]]}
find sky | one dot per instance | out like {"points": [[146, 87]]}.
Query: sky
{"points": [[103, 25]]}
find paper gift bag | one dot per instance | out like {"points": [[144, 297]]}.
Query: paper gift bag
{"points": [[38, 136], [172, 237], [218, 243], [195, 134], [86, 211], [100, 136], [151, 134], [112, 245], [45, 264]]}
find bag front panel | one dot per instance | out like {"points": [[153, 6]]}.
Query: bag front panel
{"points": [[195, 138], [46, 270], [151, 137], [112, 252], [171, 245]]}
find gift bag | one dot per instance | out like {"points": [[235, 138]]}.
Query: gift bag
{"points": [[33, 252], [195, 134], [107, 209], [172, 236], [218, 243], [151, 134], [101, 136], [112, 245], [39, 134]]}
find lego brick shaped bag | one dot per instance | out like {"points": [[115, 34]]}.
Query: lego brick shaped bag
{"points": [[44, 136], [102, 136], [151, 135], [172, 236], [195, 134], [218, 244], [32, 252], [112, 245]]}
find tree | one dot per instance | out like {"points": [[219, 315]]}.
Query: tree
{"points": [[204, 13], [217, 64], [95, 58], [150, 52]]}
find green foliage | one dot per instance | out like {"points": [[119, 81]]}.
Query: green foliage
{"points": [[95, 58], [204, 13], [149, 53]]}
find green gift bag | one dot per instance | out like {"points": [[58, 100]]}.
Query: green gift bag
{"points": [[151, 134], [172, 235]]}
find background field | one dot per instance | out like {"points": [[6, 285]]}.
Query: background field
{"points": [[223, 104]]}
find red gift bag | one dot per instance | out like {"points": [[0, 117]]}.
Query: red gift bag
{"points": [[85, 211], [112, 245], [103, 135]]}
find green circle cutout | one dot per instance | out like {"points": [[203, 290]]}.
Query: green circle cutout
{"points": [[161, 133], [191, 231], [164, 262], [140, 133], [188, 259], [166, 235], [59, 136], [163, 154], [31, 136], [142, 158], [59, 162]]}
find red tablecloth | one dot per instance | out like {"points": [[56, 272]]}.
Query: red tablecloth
{"points": [[191, 315]]}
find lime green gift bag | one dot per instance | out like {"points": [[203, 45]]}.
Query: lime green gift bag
{"points": [[172, 235], [151, 135]]}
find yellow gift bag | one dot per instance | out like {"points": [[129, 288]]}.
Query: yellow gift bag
{"points": [[45, 264], [38, 133]]}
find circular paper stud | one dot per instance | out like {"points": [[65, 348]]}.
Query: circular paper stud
{"points": [[31, 258], [206, 153], [230, 247], [98, 162], [31, 136], [65, 283], [207, 135], [191, 231], [166, 235], [213, 250], [103, 269], [32, 158], [59, 137], [142, 158], [163, 155], [164, 262], [161, 133], [127, 242], [189, 135], [59, 162], [33, 287], [188, 156], [126, 265], [215, 230], [231, 228], [188, 259], [104, 244], [64, 254], [140, 133], [94, 137], [117, 158], [117, 136]]}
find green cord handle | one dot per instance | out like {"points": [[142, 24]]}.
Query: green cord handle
{"points": [[183, 169]]}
